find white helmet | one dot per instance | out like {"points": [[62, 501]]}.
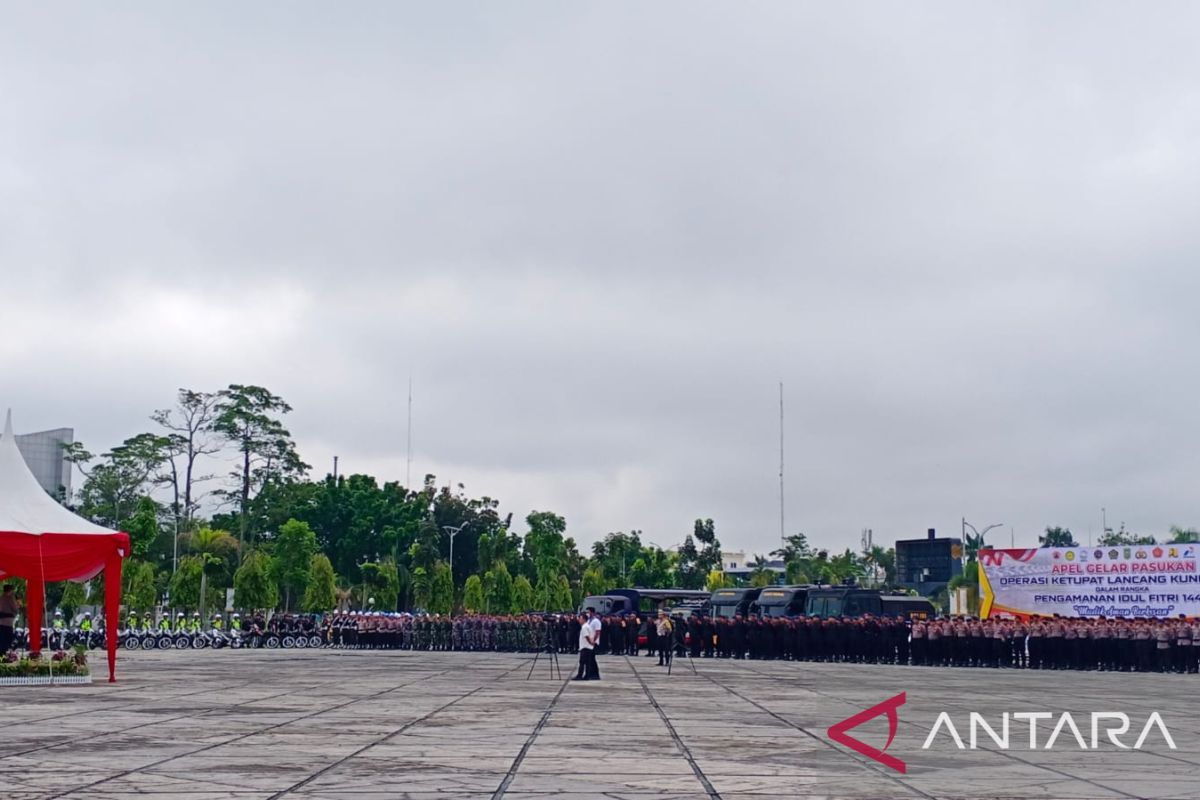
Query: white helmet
{"points": [[180, 615], [58, 613]]}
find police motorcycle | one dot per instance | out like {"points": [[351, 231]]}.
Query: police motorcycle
{"points": [[57, 637], [130, 636], [216, 635], [310, 629], [192, 635], [286, 629], [299, 632], [181, 637], [138, 634], [88, 634], [236, 639], [288, 639], [163, 638], [261, 635]]}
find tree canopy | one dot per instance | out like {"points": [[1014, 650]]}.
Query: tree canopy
{"points": [[280, 537]]}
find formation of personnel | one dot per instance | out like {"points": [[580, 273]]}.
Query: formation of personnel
{"points": [[193, 623], [1133, 645], [525, 633], [1106, 644], [182, 623]]}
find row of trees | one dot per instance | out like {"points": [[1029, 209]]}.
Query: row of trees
{"points": [[215, 496], [281, 539], [1062, 537]]}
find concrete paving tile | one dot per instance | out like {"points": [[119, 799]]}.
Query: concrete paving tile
{"points": [[648, 783], [390, 794], [200, 795], [468, 722]]}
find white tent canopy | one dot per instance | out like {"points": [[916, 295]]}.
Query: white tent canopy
{"points": [[24, 505]]}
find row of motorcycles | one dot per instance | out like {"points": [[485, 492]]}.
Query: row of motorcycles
{"points": [[65, 639], [217, 639]]}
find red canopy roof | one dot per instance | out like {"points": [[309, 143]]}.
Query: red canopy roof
{"points": [[41, 541]]}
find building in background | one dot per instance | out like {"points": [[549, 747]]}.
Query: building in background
{"points": [[739, 565], [43, 452], [733, 559], [928, 564]]}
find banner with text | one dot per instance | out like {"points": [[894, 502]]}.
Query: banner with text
{"points": [[1156, 580]]}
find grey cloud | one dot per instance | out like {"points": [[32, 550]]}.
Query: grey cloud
{"points": [[598, 235]]}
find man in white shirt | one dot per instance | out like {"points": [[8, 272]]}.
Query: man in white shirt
{"points": [[596, 626], [589, 640]]}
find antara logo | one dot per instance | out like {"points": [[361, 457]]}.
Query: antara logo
{"points": [[1114, 725], [1106, 727], [838, 732]]}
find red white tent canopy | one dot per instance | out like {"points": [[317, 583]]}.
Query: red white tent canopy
{"points": [[41, 541]]}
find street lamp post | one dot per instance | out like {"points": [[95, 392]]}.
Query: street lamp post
{"points": [[363, 574], [452, 532], [979, 536]]}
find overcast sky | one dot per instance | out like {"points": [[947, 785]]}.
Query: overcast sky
{"points": [[598, 235]]}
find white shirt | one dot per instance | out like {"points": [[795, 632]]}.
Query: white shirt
{"points": [[586, 630]]}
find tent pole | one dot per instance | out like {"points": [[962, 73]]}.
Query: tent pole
{"points": [[35, 598], [112, 609]]}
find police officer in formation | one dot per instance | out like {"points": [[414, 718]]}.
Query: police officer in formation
{"points": [[1051, 643]]}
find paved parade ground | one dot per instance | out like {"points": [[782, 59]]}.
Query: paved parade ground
{"points": [[328, 724]]}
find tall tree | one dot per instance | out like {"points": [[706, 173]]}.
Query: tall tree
{"points": [[710, 546], [321, 593], [247, 417], [687, 571], [522, 595], [795, 548], [563, 599], [880, 564], [652, 569], [213, 549], [1057, 537], [185, 583], [422, 586], [1183, 535], [717, 580], [73, 596], [140, 590], [498, 589], [762, 575], [1121, 536], [382, 582], [142, 526], [545, 553], [473, 595], [545, 592], [594, 582], [845, 566], [189, 427], [113, 488], [253, 586], [441, 591], [796, 572], [295, 546], [616, 553]]}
